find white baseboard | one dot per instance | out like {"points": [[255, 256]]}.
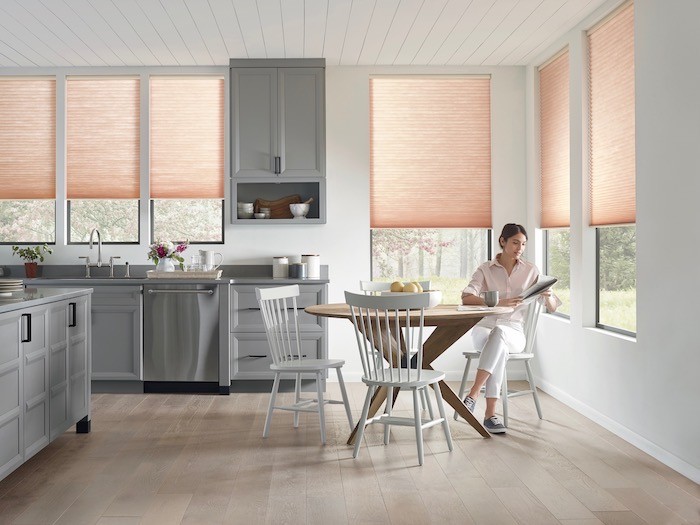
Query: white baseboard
{"points": [[643, 444]]}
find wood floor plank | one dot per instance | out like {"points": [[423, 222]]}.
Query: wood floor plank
{"points": [[524, 506], [167, 509], [328, 508], [647, 507], [620, 518]]}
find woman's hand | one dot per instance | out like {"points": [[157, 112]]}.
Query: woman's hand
{"points": [[550, 303], [511, 302]]}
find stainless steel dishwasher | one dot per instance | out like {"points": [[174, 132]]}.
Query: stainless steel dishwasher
{"points": [[181, 333]]}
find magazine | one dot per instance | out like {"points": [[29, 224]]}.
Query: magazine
{"points": [[545, 282]]}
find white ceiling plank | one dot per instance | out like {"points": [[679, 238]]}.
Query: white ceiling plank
{"points": [[27, 44], [449, 18], [460, 32], [125, 31], [398, 31], [526, 28], [384, 13], [488, 24], [272, 27], [26, 17], [16, 59], [159, 18], [230, 28], [209, 30], [94, 18], [141, 22], [293, 28], [557, 26], [360, 16], [338, 16], [182, 19], [427, 17], [249, 19], [315, 16]]}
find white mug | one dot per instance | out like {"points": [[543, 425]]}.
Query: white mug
{"points": [[208, 259]]}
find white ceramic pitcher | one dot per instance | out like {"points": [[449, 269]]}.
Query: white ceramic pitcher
{"points": [[208, 257]]}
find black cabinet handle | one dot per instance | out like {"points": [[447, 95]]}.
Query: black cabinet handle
{"points": [[29, 328], [72, 313], [255, 356], [278, 165]]}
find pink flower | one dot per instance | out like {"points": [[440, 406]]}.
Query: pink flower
{"points": [[161, 251], [181, 248]]}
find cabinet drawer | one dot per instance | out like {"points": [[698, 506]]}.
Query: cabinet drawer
{"points": [[251, 359], [245, 311], [116, 295]]}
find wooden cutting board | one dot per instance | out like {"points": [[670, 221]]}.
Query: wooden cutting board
{"points": [[279, 209]]}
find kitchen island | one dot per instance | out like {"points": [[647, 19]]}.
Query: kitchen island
{"points": [[44, 369]]}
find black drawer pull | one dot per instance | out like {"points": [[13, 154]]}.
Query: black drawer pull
{"points": [[254, 356], [72, 313], [29, 328]]}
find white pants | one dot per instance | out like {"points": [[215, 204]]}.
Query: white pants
{"points": [[495, 344]]}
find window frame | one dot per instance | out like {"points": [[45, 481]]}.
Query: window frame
{"points": [[598, 324], [546, 269], [124, 243], [27, 243], [152, 223]]}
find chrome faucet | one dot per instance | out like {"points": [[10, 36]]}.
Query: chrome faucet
{"points": [[99, 245]]}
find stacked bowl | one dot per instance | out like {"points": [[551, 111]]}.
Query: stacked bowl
{"points": [[245, 210]]}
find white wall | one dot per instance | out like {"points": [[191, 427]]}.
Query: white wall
{"points": [[643, 389]]}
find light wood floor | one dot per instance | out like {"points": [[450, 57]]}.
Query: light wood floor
{"points": [[200, 459]]}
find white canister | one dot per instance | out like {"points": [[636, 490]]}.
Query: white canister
{"points": [[280, 267], [294, 259], [313, 266]]}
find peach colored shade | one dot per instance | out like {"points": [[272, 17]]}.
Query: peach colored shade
{"points": [[27, 138], [554, 142], [102, 140], [187, 138], [430, 152], [612, 129]]}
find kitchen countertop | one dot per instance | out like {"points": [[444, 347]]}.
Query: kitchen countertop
{"points": [[35, 296]]}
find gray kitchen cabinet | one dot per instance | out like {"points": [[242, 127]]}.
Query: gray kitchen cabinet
{"points": [[58, 368], [79, 357], [11, 393], [36, 343], [117, 313], [250, 351]]}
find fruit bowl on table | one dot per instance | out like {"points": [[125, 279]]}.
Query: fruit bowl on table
{"points": [[435, 296]]}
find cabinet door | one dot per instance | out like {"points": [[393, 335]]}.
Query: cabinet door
{"points": [[78, 357], [302, 134], [253, 121], [37, 350], [11, 393], [58, 368], [116, 333], [251, 359]]}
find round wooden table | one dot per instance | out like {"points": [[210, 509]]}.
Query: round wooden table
{"points": [[450, 325]]}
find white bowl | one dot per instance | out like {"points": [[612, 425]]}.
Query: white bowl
{"points": [[435, 296], [299, 210], [245, 214], [260, 215]]}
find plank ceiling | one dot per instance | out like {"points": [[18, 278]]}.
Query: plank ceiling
{"points": [[45, 33]]}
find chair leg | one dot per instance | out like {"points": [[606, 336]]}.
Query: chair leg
{"points": [[441, 408], [321, 415], [463, 384], [504, 395], [363, 421], [387, 411], [297, 397], [270, 408], [423, 400], [424, 395], [419, 425], [533, 387], [344, 393]]}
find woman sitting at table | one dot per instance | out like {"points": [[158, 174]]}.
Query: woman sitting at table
{"points": [[496, 336]]}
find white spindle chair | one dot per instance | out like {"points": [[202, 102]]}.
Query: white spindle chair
{"points": [[279, 311], [530, 329], [378, 332]]}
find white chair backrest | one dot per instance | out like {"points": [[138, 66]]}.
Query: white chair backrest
{"points": [[370, 287], [279, 312], [530, 329], [377, 321]]}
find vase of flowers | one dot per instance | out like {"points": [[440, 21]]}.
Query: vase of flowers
{"points": [[165, 253], [30, 255]]}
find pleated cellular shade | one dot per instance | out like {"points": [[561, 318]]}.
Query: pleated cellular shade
{"points": [[430, 152], [612, 129], [27, 138], [554, 142], [187, 138], [102, 138]]}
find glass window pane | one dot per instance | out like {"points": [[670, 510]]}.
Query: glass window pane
{"points": [[193, 220], [617, 278], [558, 265], [27, 221], [446, 257], [117, 220]]}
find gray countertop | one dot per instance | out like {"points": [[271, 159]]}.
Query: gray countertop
{"points": [[36, 296]]}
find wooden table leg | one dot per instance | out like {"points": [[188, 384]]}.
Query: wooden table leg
{"points": [[375, 404], [455, 402]]}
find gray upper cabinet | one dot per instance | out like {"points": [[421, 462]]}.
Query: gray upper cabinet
{"points": [[278, 119]]}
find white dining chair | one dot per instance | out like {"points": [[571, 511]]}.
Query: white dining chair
{"points": [[378, 332], [278, 306], [530, 329]]}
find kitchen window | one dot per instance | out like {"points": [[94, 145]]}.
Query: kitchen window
{"points": [[27, 160], [430, 178], [612, 167]]}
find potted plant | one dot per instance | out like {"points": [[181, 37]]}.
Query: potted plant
{"points": [[30, 255]]}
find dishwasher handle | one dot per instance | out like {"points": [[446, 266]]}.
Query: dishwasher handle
{"points": [[206, 292]]}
